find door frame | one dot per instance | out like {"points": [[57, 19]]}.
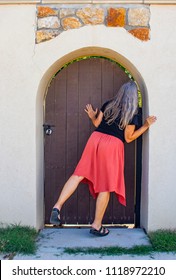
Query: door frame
{"points": [[59, 59]]}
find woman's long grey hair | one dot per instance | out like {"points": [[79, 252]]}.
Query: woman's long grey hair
{"points": [[123, 106]]}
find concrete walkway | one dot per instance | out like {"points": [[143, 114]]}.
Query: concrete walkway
{"points": [[52, 242]]}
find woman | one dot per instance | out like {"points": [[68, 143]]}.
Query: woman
{"points": [[102, 163]]}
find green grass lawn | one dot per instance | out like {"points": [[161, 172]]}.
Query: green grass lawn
{"points": [[163, 240], [18, 239]]}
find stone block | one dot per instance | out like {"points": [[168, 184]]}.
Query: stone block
{"points": [[46, 11], [70, 23], [142, 34], [139, 17], [116, 17], [45, 35], [91, 15], [66, 12], [48, 22]]}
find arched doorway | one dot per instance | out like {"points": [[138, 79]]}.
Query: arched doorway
{"points": [[92, 80]]}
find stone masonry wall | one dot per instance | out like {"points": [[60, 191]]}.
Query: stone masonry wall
{"points": [[53, 20]]}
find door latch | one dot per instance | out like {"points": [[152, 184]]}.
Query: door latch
{"points": [[48, 128]]}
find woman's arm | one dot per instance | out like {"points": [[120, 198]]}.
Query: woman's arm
{"points": [[131, 134], [96, 119]]}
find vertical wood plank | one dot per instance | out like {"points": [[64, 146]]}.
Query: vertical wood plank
{"points": [[48, 143], [130, 181], [119, 211], [107, 93], [83, 135], [95, 100], [71, 211], [59, 152], [55, 174]]}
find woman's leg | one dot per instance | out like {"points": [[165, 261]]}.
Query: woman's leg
{"points": [[68, 189], [101, 205]]}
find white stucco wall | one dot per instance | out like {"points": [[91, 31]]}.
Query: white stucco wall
{"points": [[25, 70], [18, 88], [162, 151]]}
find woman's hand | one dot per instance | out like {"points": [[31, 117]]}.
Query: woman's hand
{"points": [[91, 113], [150, 120], [131, 134], [95, 116]]}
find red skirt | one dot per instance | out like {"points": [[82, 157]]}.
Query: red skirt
{"points": [[102, 165]]}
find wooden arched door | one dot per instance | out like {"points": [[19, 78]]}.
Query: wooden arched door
{"points": [[94, 81]]}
